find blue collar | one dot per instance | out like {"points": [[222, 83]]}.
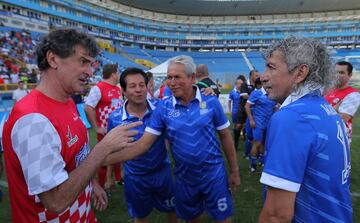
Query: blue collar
{"points": [[197, 97]]}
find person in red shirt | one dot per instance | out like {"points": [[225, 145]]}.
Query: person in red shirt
{"points": [[343, 98], [104, 98], [49, 165]]}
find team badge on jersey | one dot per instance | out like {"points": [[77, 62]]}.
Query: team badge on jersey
{"points": [[203, 105], [84, 151], [72, 140], [174, 113]]}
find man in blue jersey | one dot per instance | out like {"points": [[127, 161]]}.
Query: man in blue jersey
{"points": [[259, 109], [234, 98], [307, 166], [148, 179], [191, 121]]}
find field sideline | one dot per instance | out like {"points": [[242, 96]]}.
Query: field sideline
{"points": [[248, 201]]}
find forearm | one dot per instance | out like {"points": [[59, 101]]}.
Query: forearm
{"points": [[109, 172], [91, 116], [62, 196], [268, 217], [248, 112], [229, 150]]}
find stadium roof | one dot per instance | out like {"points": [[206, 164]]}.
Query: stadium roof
{"points": [[241, 7]]}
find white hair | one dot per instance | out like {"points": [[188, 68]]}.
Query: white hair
{"points": [[187, 61]]}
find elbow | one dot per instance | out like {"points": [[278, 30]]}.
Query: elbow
{"points": [[279, 217]]}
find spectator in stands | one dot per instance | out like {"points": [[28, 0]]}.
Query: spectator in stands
{"points": [[204, 81], [20, 92], [14, 77], [233, 105], [103, 99], [33, 76], [344, 99], [307, 165], [150, 85], [49, 165]]}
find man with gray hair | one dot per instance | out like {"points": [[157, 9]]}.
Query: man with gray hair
{"points": [[307, 165], [190, 121]]}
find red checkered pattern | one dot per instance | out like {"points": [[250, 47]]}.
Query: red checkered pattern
{"points": [[80, 211], [104, 115]]}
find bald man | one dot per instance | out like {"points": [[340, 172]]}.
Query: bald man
{"points": [[204, 81]]}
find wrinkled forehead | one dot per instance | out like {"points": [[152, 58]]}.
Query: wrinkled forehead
{"points": [[80, 51]]}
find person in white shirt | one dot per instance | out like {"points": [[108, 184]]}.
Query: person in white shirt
{"points": [[20, 92]]}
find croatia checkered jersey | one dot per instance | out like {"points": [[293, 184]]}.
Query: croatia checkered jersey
{"points": [[191, 131], [307, 153], [44, 140], [104, 98], [156, 157]]}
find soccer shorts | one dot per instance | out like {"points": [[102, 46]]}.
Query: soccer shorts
{"points": [[259, 134], [213, 196], [145, 192], [248, 130]]}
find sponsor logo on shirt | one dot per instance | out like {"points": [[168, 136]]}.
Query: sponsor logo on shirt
{"points": [[72, 140], [84, 151], [76, 116]]}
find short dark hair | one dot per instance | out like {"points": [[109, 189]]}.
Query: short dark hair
{"points": [[149, 75], [345, 63], [252, 72], [258, 82], [131, 71], [109, 69], [241, 77], [62, 42]]}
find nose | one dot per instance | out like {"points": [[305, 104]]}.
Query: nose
{"points": [[89, 71], [265, 77]]}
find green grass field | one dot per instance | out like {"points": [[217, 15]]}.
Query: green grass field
{"points": [[248, 201]]}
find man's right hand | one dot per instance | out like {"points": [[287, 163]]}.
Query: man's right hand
{"points": [[252, 124], [119, 137], [100, 131]]}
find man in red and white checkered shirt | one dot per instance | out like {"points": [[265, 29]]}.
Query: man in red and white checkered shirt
{"points": [[48, 161], [103, 99]]}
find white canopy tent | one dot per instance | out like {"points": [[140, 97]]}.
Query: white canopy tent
{"points": [[160, 70]]}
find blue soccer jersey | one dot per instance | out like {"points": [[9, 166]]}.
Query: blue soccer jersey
{"points": [[156, 157], [191, 131], [261, 108], [234, 97], [307, 153]]}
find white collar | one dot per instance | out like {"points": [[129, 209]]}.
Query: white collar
{"points": [[301, 92], [124, 112], [197, 96]]}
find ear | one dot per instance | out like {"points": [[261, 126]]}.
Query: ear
{"points": [[52, 59], [193, 78], [302, 73]]}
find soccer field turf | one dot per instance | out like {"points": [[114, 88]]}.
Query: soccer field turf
{"points": [[248, 201]]}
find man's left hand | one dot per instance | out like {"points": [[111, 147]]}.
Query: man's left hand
{"points": [[234, 181]]}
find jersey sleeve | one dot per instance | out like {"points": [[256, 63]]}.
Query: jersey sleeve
{"points": [[350, 104], [231, 95], [254, 96], [288, 144], [157, 124], [220, 120], [38, 146], [94, 97]]}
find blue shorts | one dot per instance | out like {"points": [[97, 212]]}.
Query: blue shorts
{"points": [[145, 192], [248, 130], [234, 117], [214, 197], [259, 134]]}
